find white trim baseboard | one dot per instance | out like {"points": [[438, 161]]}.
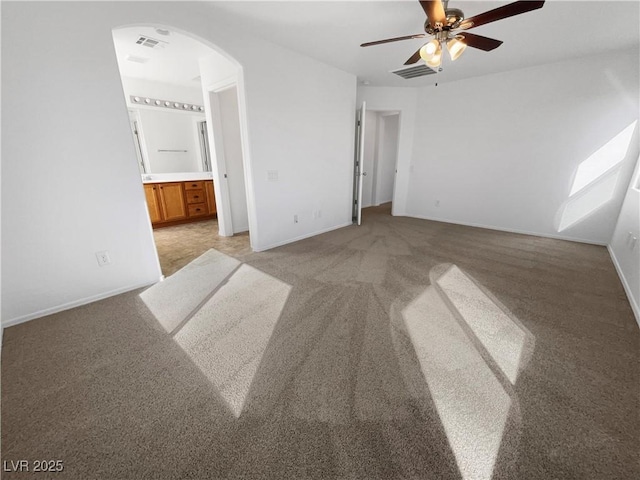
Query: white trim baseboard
{"points": [[301, 237], [627, 288], [69, 305], [508, 230]]}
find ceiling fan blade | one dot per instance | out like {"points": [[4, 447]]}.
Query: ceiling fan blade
{"points": [[413, 58], [499, 13], [396, 39], [478, 41], [434, 10]]}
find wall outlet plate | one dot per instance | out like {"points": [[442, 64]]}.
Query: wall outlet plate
{"points": [[103, 258]]}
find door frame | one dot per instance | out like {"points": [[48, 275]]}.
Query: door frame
{"points": [[218, 161], [358, 161], [378, 142]]}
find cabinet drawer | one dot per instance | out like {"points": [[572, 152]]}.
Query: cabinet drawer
{"points": [[197, 209], [195, 196], [194, 185]]}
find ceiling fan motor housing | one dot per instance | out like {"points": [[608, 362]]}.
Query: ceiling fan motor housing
{"points": [[454, 17]]}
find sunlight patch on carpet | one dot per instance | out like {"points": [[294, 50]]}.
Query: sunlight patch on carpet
{"points": [[502, 338], [469, 350], [228, 336], [174, 299]]}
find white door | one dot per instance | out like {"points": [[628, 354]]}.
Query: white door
{"points": [[232, 146], [358, 170]]}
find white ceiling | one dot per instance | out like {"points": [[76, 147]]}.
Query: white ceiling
{"points": [[174, 60], [331, 31]]}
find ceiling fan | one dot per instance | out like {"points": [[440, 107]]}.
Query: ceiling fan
{"points": [[448, 26]]}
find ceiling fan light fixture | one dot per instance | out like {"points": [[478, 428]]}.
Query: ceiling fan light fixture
{"points": [[429, 49], [456, 46], [435, 60]]}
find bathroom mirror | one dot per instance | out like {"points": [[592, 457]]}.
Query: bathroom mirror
{"points": [[169, 141]]}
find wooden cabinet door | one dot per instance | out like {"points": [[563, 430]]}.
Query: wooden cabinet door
{"points": [[153, 204], [172, 201], [211, 198]]}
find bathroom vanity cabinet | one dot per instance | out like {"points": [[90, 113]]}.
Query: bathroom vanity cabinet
{"points": [[173, 203]]}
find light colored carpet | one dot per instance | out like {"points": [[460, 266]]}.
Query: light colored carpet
{"points": [[494, 329], [173, 300], [338, 393], [464, 342], [227, 337]]}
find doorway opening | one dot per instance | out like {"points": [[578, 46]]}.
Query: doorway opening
{"points": [[376, 161], [190, 141], [223, 103]]}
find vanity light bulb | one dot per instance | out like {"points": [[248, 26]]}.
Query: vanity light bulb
{"points": [[147, 100], [167, 104], [177, 105], [136, 99], [195, 107], [185, 106], [202, 109], [158, 102]]}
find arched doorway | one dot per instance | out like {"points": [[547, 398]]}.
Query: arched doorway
{"points": [[187, 109]]}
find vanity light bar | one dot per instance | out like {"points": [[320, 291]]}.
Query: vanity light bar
{"points": [[154, 102]]}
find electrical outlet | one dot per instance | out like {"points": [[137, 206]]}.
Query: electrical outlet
{"points": [[103, 258]]}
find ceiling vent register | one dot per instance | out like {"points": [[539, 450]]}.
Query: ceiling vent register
{"points": [[414, 72], [134, 59], [147, 42]]}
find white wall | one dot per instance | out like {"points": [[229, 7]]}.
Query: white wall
{"points": [[403, 100], [624, 250], [66, 136], [161, 91], [70, 182], [214, 69], [301, 126], [514, 141], [387, 156], [230, 122]]}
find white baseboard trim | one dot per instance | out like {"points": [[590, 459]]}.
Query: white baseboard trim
{"points": [[627, 288], [301, 237], [69, 305], [508, 230]]}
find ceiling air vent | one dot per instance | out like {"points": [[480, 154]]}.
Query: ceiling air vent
{"points": [[133, 58], [147, 42], [414, 72]]}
